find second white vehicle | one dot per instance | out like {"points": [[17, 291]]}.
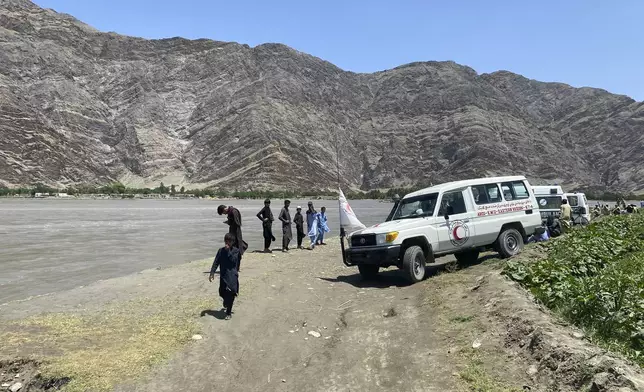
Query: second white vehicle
{"points": [[460, 218]]}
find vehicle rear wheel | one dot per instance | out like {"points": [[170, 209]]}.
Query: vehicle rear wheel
{"points": [[468, 257], [368, 271], [414, 263], [510, 243]]}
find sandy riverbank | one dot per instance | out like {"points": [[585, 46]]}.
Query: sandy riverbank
{"points": [[454, 331]]}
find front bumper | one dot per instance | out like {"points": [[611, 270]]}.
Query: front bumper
{"points": [[383, 256]]}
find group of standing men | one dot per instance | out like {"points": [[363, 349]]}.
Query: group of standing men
{"points": [[316, 225], [230, 255]]}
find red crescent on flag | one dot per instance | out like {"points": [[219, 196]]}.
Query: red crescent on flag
{"points": [[348, 208]]}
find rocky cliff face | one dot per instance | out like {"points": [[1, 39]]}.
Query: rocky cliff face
{"points": [[81, 106]]}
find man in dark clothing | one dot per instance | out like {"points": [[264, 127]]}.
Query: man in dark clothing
{"points": [[234, 223], [554, 227], [266, 216], [228, 258], [299, 227], [287, 232]]}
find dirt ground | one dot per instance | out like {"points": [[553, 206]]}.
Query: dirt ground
{"points": [[305, 322]]}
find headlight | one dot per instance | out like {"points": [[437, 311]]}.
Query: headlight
{"points": [[386, 238]]}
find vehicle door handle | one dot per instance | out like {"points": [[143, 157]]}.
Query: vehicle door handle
{"points": [[528, 212]]}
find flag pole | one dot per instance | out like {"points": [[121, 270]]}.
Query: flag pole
{"points": [[337, 167]]}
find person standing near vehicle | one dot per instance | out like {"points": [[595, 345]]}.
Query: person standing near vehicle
{"points": [[299, 226], [266, 216], [566, 212], [287, 231]]}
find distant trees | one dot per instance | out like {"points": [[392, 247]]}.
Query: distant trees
{"points": [[161, 189], [118, 188]]}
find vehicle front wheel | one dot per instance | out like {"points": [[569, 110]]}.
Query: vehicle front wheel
{"points": [[510, 243], [414, 263], [467, 257], [367, 271]]}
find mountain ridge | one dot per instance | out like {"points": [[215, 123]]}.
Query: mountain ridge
{"points": [[84, 106]]}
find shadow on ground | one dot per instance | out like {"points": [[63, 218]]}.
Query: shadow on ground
{"points": [[218, 314], [398, 278]]}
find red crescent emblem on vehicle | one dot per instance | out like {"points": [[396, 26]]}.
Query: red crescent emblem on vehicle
{"points": [[456, 233], [459, 233]]}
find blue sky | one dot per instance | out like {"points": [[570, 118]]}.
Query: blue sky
{"points": [[597, 43]]}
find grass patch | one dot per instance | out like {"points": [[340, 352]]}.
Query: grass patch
{"points": [[594, 278], [462, 319], [478, 379], [97, 351]]}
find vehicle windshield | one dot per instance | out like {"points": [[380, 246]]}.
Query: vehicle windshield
{"points": [[573, 201], [549, 202], [416, 207]]}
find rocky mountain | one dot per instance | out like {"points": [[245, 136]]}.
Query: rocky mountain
{"points": [[82, 106]]}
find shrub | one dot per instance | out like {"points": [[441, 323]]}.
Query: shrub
{"points": [[594, 278]]}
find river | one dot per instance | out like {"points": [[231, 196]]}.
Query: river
{"points": [[51, 245]]}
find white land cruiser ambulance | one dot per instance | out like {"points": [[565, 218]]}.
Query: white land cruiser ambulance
{"points": [[459, 218], [549, 199], [580, 208]]}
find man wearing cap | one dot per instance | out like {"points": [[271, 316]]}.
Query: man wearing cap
{"points": [[266, 216], [287, 231], [298, 219]]}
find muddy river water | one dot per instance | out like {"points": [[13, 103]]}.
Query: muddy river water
{"points": [[51, 245]]}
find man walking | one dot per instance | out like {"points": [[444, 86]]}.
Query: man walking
{"points": [[287, 232], [299, 226], [234, 223], [266, 216]]}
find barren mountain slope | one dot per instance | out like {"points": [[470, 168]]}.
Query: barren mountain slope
{"points": [[78, 106]]}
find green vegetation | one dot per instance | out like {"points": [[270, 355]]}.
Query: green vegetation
{"points": [[594, 278], [463, 319], [118, 189]]}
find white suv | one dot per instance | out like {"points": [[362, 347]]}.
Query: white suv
{"points": [[460, 218]]}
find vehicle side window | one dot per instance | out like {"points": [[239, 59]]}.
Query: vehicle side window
{"points": [[520, 190], [485, 194], [455, 200], [514, 190], [507, 192]]}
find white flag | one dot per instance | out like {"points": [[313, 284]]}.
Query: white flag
{"points": [[348, 219]]}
